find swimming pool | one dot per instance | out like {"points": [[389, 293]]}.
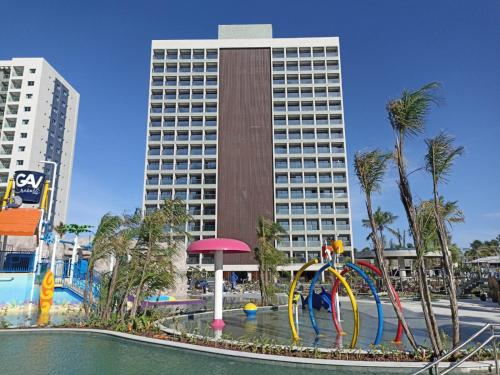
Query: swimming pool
{"points": [[89, 353]]}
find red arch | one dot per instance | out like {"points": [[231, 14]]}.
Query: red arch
{"points": [[335, 289]]}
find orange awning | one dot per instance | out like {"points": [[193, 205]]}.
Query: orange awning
{"points": [[19, 221]]}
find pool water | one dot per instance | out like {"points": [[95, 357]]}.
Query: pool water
{"points": [[87, 353], [274, 326]]}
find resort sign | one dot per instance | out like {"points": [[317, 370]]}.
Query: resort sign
{"points": [[29, 185]]}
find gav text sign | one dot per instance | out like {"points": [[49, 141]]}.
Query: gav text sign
{"points": [[29, 185]]}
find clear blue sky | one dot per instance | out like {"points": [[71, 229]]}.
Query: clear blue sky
{"points": [[102, 48]]}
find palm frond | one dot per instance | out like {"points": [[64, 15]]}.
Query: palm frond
{"points": [[370, 167], [408, 113], [441, 153]]}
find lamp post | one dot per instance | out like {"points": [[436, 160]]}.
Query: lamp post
{"points": [[52, 184], [49, 211]]}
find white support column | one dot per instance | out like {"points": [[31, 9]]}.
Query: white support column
{"points": [[218, 323], [53, 257], [73, 260]]}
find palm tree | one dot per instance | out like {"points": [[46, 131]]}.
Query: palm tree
{"points": [[155, 247], [441, 153], [407, 116], [267, 256], [382, 220], [370, 167], [100, 248], [76, 230]]}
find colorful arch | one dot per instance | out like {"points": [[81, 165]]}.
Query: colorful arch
{"points": [[380, 312], [377, 271], [328, 266]]}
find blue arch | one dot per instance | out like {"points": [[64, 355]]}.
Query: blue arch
{"points": [[310, 296], [380, 312]]}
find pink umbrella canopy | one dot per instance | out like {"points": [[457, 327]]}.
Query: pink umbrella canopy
{"points": [[212, 245]]}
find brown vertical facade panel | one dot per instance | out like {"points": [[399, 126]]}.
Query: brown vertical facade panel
{"points": [[245, 154]]}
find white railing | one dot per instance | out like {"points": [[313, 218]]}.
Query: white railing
{"points": [[491, 339]]}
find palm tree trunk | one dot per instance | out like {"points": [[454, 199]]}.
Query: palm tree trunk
{"points": [[448, 270], [87, 291], [379, 253], [407, 200], [111, 291], [138, 292]]}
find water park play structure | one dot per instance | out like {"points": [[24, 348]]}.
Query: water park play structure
{"points": [[330, 254], [218, 246]]}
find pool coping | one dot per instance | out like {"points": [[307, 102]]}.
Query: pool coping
{"points": [[465, 368]]}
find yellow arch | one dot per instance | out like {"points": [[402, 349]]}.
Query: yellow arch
{"points": [[295, 335], [346, 286]]}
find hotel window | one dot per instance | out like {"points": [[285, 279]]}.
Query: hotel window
{"points": [[196, 164], [194, 194], [325, 178], [167, 180], [209, 179], [281, 179], [309, 178], [181, 180], [295, 163], [296, 178], [297, 209], [196, 150], [309, 163], [27, 109], [298, 224], [31, 83], [198, 54], [210, 164], [195, 179], [297, 194], [182, 150], [312, 208], [326, 208], [311, 193], [181, 165], [282, 208], [280, 149], [181, 194], [327, 224], [324, 163], [210, 150], [167, 165], [284, 224], [282, 193], [281, 163], [209, 194], [208, 225]]}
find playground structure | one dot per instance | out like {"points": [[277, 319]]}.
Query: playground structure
{"points": [[330, 254]]}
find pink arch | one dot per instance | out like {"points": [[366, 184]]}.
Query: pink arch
{"points": [[335, 289]]}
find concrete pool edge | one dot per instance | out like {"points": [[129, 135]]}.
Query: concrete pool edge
{"points": [[467, 367]]}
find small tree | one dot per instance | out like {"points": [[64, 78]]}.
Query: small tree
{"points": [[441, 154], [268, 257], [382, 220], [370, 168]]}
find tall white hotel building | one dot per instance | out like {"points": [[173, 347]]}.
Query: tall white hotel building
{"points": [[38, 119], [248, 125]]}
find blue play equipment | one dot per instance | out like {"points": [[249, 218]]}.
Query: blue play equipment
{"points": [[365, 277]]}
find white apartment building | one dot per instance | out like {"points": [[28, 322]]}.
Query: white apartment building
{"points": [[248, 125], [38, 119]]}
